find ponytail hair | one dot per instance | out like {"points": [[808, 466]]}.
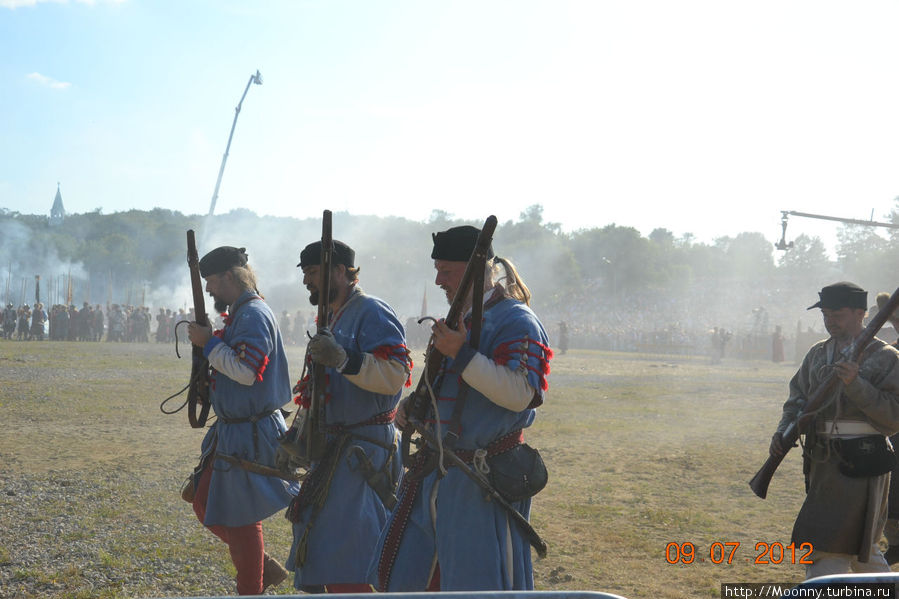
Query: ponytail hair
{"points": [[503, 272], [245, 278]]}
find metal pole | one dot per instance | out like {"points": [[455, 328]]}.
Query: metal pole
{"points": [[257, 79], [848, 221]]}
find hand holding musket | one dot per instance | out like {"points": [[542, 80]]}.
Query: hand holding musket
{"points": [[845, 370], [316, 439], [198, 389], [415, 405]]}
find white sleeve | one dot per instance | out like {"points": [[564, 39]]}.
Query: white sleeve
{"points": [[380, 376], [503, 386], [223, 359]]}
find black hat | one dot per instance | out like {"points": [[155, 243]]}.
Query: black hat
{"points": [[457, 244], [221, 259], [312, 255], [842, 295]]}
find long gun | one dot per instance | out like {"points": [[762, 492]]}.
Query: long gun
{"points": [[418, 401], [316, 439], [198, 388], [762, 478], [492, 494]]}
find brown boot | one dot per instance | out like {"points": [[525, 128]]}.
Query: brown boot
{"points": [[187, 490], [273, 573]]}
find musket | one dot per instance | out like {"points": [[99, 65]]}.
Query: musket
{"points": [[198, 388], [419, 399], [260, 468], [491, 494], [762, 478], [316, 439]]}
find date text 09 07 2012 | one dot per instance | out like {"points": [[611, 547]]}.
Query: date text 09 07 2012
{"points": [[727, 552]]}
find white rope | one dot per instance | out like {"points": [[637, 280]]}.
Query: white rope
{"points": [[480, 461], [438, 434]]}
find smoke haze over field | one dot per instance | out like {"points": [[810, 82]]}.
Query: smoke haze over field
{"points": [[611, 285]]}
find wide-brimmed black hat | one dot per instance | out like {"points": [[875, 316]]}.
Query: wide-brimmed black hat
{"points": [[312, 255], [842, 295], [457, 244], [221, 259]]}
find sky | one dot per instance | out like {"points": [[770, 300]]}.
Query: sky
{"points": [[706, 118]]}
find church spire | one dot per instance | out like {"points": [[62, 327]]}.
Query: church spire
{"points": [[57, 212]]}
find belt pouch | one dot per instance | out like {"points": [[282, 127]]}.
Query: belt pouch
{"points": [[518, 473], [866, 456]]}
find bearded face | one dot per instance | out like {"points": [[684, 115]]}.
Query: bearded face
{"points": [[311, 280], [314, 295]]}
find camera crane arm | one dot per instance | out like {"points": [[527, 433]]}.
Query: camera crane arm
{"points": [[783, 245]]}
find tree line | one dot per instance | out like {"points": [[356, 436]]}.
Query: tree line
{"points": [[610, 273]]}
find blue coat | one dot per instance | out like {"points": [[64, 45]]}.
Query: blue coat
{"points": [[238, 497], [475, 543], [342, 536]]}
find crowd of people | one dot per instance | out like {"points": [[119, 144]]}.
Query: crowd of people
{"points": [[68, 323], [614, 328], [24, 323]]}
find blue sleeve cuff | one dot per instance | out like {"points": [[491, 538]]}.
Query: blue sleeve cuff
{"points": [[210, 345], [353, 362], [465, 355]]}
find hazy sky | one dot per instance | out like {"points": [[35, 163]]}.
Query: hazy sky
{"points": [[703, 117]]}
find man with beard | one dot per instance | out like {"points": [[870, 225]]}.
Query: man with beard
{"points": [[846, 456], [349, 493], [248, 385], [444, 534]]}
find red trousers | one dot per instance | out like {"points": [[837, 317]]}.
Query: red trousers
{"points": [[244, 542]]}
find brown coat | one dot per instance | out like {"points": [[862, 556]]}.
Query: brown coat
{"points": [[842, 514]]}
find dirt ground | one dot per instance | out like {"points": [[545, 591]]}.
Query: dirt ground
{"points": [[649, 458]]}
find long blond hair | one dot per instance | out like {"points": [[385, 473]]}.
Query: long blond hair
{"points": [[245, 278], [501, 271]]}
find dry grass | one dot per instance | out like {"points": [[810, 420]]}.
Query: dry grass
{"points": [[643, 451], [650, 450]]}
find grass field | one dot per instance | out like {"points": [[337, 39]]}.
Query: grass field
{"points": [[643, 451]]}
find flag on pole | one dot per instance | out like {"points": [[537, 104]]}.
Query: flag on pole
{"points": [[424, 302]]}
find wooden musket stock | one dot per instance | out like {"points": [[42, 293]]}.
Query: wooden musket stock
{"points": [[762, 478], [316, 439], [198, 389]]}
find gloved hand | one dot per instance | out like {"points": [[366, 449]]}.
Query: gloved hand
{"points": [[325, 350]]}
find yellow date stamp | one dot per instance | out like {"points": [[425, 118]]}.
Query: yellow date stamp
{"points": [[722, 552]]}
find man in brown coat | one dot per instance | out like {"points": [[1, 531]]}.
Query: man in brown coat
{"points": [[847, 456]]}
